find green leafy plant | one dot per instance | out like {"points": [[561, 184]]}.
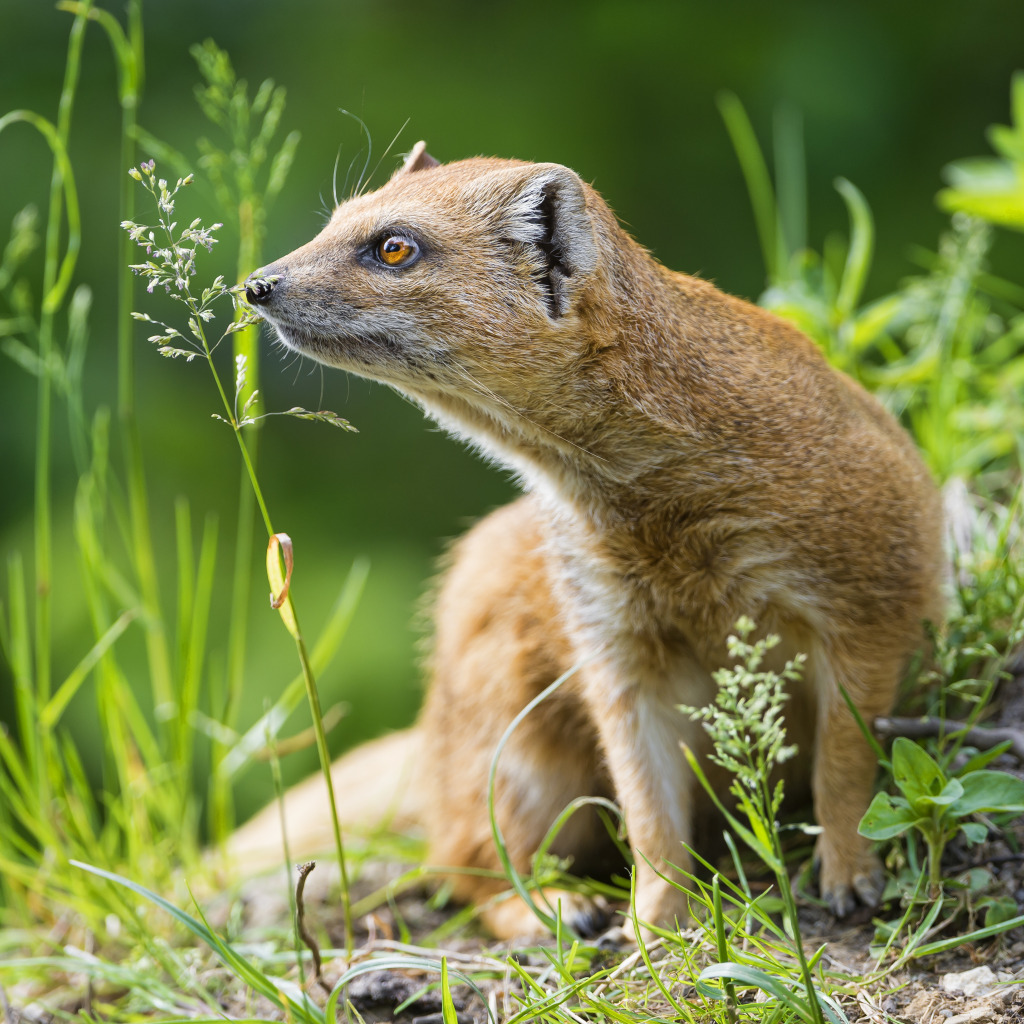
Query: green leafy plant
{"points": [[992, 188], [939, 805]]}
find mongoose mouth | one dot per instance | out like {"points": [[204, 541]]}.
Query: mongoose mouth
{"points": [[375, 354], [361, 353]]}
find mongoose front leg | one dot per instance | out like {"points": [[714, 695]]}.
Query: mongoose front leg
{"points": [[641, 730]]}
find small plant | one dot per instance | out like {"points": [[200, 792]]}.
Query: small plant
{"points": [[939, 805], [992, 188], [746, 726]]}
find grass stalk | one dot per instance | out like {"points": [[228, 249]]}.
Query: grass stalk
{"points": [[176, 269], [44, 412], [245, 345]]}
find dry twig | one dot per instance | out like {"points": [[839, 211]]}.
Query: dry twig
{"points": [[982, 738]]}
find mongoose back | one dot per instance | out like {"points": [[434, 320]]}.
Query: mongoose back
{"points": [[687, 458]]}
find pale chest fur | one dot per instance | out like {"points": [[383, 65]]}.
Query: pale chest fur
{"points": [[653, 592]]}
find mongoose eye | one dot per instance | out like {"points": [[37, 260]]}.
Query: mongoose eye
{"points": [[397, 251]]}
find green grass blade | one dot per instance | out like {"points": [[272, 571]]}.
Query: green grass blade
{"points": [[237, 964], [56, 705], [858, 257], [18, 649], [957, 941], [791, 181], [448, 1014], [195, 646], [326, 646], [755, 173]]}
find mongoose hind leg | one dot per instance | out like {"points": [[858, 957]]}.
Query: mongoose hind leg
{"points": [[498, 644], [845, 767]]}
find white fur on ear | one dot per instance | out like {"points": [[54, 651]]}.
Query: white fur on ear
{"points": [[418, 159], [548, 207]]}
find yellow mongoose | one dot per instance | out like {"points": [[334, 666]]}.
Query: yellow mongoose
{"points": [[688, 458]]}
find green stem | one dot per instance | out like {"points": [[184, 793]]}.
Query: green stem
{"points": [[245, 344], [786, 892], [196, 325], [789, 905], [325, 765], [722, 947], [935, 847], [43, 497], [312, 693], [157, 650]]}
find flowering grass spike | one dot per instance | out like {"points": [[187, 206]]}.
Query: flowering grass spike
{"points": [[171, 264]]}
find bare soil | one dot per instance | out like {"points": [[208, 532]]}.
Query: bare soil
{"points": [[945, 988]]}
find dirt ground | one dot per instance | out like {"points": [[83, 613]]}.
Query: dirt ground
{"points": [[973, 983]]}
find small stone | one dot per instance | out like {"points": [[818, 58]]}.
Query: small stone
{"points": [[980, 981]]}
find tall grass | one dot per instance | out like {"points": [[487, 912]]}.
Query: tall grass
{"points": [[944, 350], [144, 819]]}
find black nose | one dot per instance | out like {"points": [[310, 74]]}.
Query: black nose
{"points": [[258, 289]]}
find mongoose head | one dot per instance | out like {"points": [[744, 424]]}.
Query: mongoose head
{"points": [[463, 285]]}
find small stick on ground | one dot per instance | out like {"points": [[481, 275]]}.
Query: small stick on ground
{"points": [[300, 918], [982, 738]]}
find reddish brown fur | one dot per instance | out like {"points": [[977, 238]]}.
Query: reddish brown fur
{"points": [[689, 458]]}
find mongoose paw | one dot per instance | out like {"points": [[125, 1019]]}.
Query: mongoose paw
{"points": [[860, 884], [870, 885], [586, 916], [513, 919], [616, 937]]}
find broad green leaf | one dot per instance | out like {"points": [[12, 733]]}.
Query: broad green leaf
{"points": [[998, 910], [886, 818], [951, 792], [974, 832], [915, 771], [744, 974], [990, 791]]}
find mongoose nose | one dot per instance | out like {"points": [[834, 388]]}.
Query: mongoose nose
{"points": [[258, 289]]}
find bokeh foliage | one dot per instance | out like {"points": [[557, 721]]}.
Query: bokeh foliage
{"points": [[625, 93]]}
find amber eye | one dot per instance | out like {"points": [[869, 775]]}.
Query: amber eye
{"points": [[397, 251]]}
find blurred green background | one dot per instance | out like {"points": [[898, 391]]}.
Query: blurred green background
{"points": [[623, 92]]}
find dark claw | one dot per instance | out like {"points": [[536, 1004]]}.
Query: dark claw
{"points": [[591, 917], [615, 938]]}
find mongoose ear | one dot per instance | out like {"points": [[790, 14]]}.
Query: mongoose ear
{"points": [[418, 159], [549, 209]]}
